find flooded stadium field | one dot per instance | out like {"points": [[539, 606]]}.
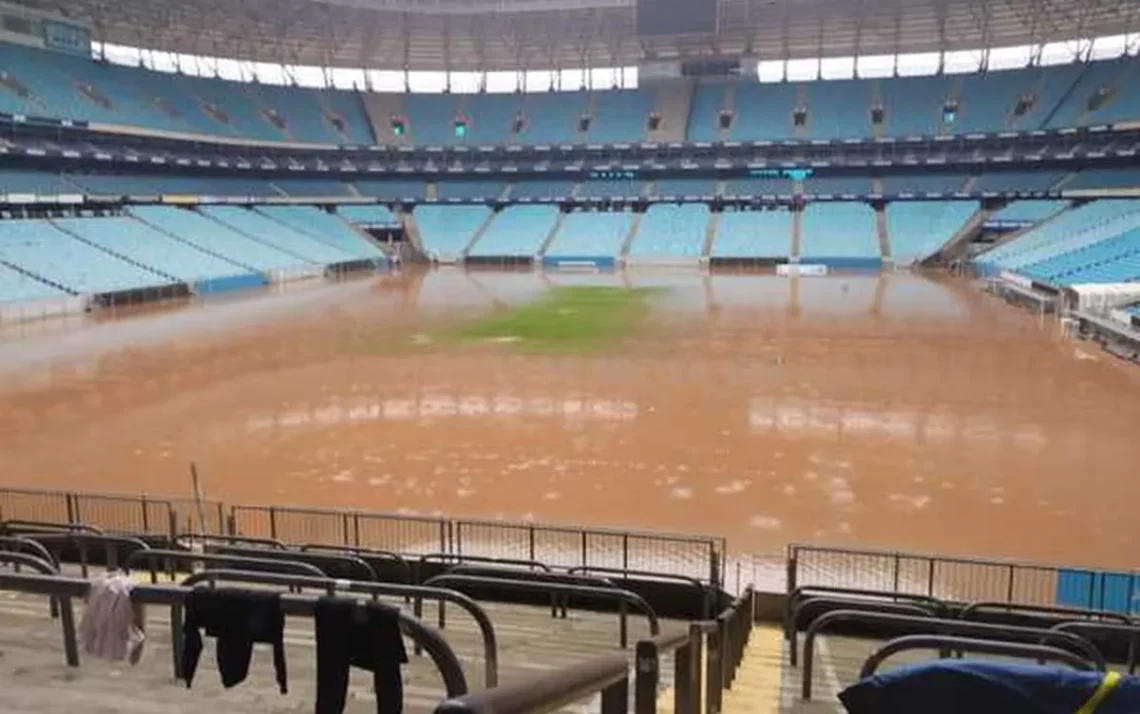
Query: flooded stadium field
{"points": [[894, 410]]}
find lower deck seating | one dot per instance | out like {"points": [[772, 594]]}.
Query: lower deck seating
{"points": [[446, 230], [278, 235], [368, 215], [47, 252], [1029, 211], [754, 234], [542, 189], [672, 231], [217, 238], [1113, 260], [840, 233], [1075, 227], [917, 229], [469, 190], [589, 234], [324, 226], [141, 243], [516, 231], [19, 287], [1105, 178]]}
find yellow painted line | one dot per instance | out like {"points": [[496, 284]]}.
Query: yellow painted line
{"points": [[760, 676]]}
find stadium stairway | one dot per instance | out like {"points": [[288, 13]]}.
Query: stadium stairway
{"points": [[551, 235], [728, 104], [479, 233], [758, 686], [634, 227], [881, 231], [710, 235]]}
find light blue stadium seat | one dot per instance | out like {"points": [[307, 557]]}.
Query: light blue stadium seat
{"points": [[491, 118], [140, 242], [1029, 210], [837, 185], [370, 215], [1074, 110], [324, 226], [45, 251], [672, 231], [470, 190], [587, 234], [278, 235], [610, 189], [838, 109], [35, 182], [1076, 227], [917, 229], [912, 106], [301, 109], [18, 287], [517, 231], [840, 232], [987, 101], [924, 183], [1017, 181], [742, 188], [446, 230], [542, 189], [620, 115], [1115, 259], [764, 111], [349, 109], [218, 238], [390, 189], [432, 118], [552, 118], [1105, 178], [682, 188], [753, 234], [312, 187], [1053, 84], [704, 113]]}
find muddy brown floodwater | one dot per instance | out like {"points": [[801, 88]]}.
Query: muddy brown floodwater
{"points": [[895, 410]]}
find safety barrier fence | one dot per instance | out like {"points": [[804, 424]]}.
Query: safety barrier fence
{"points": [[700, 557], [962, 579]]}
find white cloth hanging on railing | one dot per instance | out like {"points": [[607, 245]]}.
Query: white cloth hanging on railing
{"points": [[112, 625]]}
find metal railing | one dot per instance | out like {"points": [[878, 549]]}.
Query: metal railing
{"points": [[834, 603], [686, 649], [552, 691], [624, 598], [169, 559], [699, 557], [965, 644], [332, 586], [937, 626], [945, 578], [65, 588]]}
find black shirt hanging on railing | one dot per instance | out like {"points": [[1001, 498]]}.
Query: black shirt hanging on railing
{"points": [[365, 635], [237, 618]]}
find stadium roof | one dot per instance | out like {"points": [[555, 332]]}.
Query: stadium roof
{"points": [[547, 34]]}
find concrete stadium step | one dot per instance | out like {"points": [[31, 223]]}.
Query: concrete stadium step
{"points": [[37, 680]]}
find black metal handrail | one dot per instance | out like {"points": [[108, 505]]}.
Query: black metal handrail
{"points": [[191, 539], [83, 542], [60, 607], [552, 691], [703, 593], [1015, 609], [347, 566], [811, 591], [23, 543], [726, 638], [897, 608], [359, 552], [622, 597], [1110, 628], [333, 585], [25, 526], [965, 644], [66, 588], [170, 557], [686, 649], [936, 626], [461, 559]]}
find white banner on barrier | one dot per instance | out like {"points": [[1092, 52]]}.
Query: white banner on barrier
{"points": [[786, 269]]}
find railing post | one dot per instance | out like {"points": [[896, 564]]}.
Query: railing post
{"points": [[272, 522], [713, 681], [682, 678], [625, 554], [231, 523], [623, 613], [714, 567], [530, 536], [67, 622], [584, 547], [615, 698], [648, 678], [696, 648], [72, 509], [145, 515], [344, 529], [356, 529]]}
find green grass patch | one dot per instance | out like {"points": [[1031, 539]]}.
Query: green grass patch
{"points": [[565, 319]]}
